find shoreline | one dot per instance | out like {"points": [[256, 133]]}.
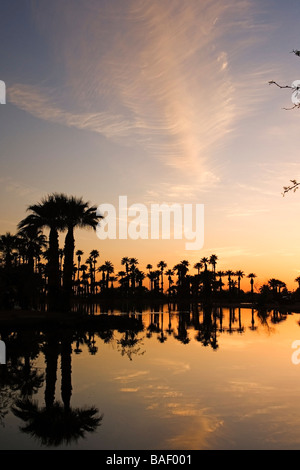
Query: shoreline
{"points": [[38, 317]]}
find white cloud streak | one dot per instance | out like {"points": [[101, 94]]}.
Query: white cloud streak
{"points": [[152, 74]]}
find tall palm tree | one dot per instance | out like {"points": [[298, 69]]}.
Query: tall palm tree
{"points": [[170, 273], [198, 266], [109, 268], [60, 255], [213, 261], [152, 276], [140, 276], [79, 254], [220, 274], [204, 261], [251, 276], [120, 275], [133, 262], [281, 285], [229, 274], [48, 214], [182, 269], [84, 278], [162, 265], [94, 254], [89, 262], [7, 246], [149, 267], [77, 213], [102, 269], [125, 262], [298, 280], [33, 241], [240, 274]]}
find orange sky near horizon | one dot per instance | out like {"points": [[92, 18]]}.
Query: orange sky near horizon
{"points": [[164, 102]]}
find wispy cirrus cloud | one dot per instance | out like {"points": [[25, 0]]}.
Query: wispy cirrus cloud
{"points": [[152, 74], [38, 102]]}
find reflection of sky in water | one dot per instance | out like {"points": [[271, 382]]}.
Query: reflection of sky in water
{"points": [[178, 394]]}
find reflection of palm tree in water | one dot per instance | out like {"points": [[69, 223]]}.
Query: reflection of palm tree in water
{"points": [[240, 328], [207, 333], [182, 334], [55, 423], [162, 337], [56, 426], [129, 343]]}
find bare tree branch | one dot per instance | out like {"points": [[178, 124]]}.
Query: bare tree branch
{"points": [[293, 107], [272, 82], [296, 52], [293, 187]]}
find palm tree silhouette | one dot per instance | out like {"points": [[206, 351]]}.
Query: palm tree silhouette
{"points": [[109, 269], [94, 254], [55, 426], [229, 274], [182, 269], [298, 280], [33, 241], [152, 275], [251, 276], [120, 276], [79, 254], [273, 284], [102, 269], [76, 213], [170, 273], [125, 262], [48, 214], [204, 261], [84, 278], [89, 262], [162, 265], [240, 274], [140, 276], [7, 246], [149, 267], [198, 266], [213, 261], [132, 268], [220, 274]]}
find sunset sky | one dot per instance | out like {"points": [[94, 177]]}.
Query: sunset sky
{"points": [[163, 101]]}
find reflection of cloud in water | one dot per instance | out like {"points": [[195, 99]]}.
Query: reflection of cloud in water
{"points": [[131, 377], [176, 367], [197, 432], [129, 389]]}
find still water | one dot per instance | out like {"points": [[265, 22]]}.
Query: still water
{"points": [[223, 378]]}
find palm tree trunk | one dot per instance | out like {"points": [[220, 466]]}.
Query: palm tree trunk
{"points": [[53, 270], [51, 360], [68, 268], [66, 370]]}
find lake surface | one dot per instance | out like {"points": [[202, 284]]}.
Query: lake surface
{"points": [[223, 378]]}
